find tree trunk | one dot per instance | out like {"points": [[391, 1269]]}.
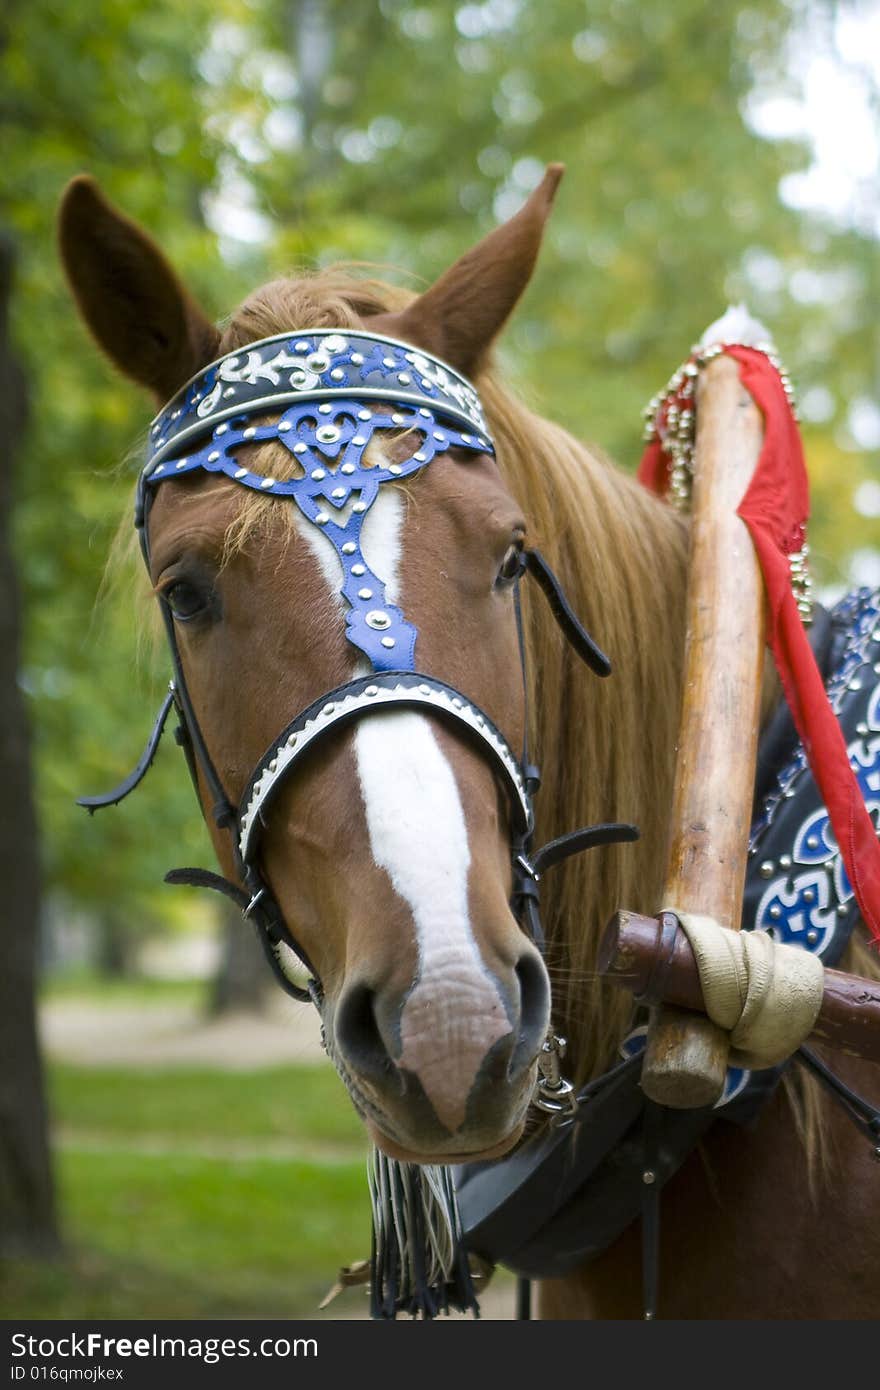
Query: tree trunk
{"points": [[27, 1210], [243, 979]]}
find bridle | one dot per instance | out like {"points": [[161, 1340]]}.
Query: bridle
{"points": [[335, 390]]}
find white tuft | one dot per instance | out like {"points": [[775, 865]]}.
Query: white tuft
{"points": [[736, 325]]}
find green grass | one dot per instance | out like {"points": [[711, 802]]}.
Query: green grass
{"points": [[97, 990], [170, 1210], [301, 1104]]}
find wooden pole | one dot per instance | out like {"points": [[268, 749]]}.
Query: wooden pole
{"points": [[686, 1054], [635, 955]]}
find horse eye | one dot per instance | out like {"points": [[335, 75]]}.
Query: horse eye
{"points": [[185, 600], [512, 564]]}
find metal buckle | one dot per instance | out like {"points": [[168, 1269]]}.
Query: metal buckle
{"points": [[261, 893], [553, 1093]]}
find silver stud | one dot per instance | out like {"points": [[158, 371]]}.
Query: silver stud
{"points": [[357, 358], [212, 457], [812, 936], [181, 463], [377, 618], [321, 518], [862, 728], [230, 391], [299, 448], [365, 593], [283, 426], [337, 374], [480, 721], [842, 909], [327, 434], [776, 912], [301, 347], [785, 861], [358, 441], [424, 690], [395, 468], [339, 492], [766, 870], [347, 468], [388, 642], [359, 507], [349, 548], [423, 411], [318, 362], [364, 415], [371, 690], [388, 362], [420, 457], [221, 429], [267, 483], [649, 1176], [424, 383], [335, 343], [318, 474], [440, 438], [291, 742], [328, 708], [240, 473], [458, 704], [249, 432], [855, 683], [812, 842], [325, 408], [404, 378], [357, 570], [159, 469], [397, 419], [273, 766]]}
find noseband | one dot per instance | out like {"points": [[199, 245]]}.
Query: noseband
{"points": [[336, 391]]}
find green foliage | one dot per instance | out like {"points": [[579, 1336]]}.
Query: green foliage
{"points": [[394, 133]]}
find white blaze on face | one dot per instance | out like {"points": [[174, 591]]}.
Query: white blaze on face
{"points": [[418, 835]]}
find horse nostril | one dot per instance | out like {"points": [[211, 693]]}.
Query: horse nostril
{"points": [[534, 1002], [357, 1032]]}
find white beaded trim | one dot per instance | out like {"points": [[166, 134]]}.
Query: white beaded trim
{"points": [[371, 696]]}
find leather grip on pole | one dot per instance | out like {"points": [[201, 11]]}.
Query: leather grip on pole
{"points": [[686, 1054]]}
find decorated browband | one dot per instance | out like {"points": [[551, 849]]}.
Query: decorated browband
{"points": [[336, 390]]}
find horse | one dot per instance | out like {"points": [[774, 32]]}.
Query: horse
{"points": [[388, 853]]}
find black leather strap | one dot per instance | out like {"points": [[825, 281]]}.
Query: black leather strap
{"points": [[574, 632], [134, 778]]}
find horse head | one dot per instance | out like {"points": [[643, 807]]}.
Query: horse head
{"points": [[387, 849]]}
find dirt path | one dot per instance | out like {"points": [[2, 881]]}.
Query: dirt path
{"points": [[153, 1035]]}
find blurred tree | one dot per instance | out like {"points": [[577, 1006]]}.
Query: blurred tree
{"points": [[27, 1215]]}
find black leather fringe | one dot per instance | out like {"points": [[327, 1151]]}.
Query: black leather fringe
{"points": [[419, 1265]]}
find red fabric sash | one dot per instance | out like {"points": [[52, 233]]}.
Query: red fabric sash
{"points": [[775, 509]]}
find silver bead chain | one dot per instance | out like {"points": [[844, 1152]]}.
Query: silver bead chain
{"points": [[670, 420]]}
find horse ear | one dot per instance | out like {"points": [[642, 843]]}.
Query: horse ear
{"points": [[127, 293], [463, 311]]}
